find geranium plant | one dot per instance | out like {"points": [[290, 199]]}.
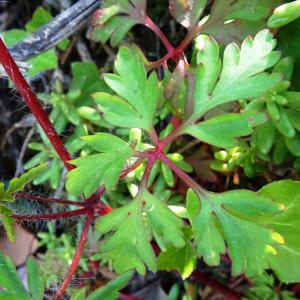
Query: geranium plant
{"points": [[227, 87]]}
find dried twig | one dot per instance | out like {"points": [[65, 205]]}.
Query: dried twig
{"points": [[61, 27]]}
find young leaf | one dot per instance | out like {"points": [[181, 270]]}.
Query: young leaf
{"points": [[17, 184], [287, 225], [241, 76], [129, 247], [139, 94], [187, 12], [284, 14], [116, 18], [232, 217], [223, 130], [263, 137], [97, 169], [111, 290]]}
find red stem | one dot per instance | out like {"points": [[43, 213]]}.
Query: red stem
{"points": [[126, 171], [33, 103], [173, 53], [67, 214], [185, 177], [63, 286], [36, 108], [147, 172], [49, 200], [218, 287], [150, 24]]}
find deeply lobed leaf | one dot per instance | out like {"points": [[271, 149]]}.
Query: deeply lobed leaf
{"points": [[231, 217], [129, 246], [286, 224], [97, 169], [240, 76], [116, 18], [139, 95]]}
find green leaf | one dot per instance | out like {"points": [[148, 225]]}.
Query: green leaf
{"points": [[36, 282], [166, 226], [45, 61], [263, 137], [39, 18], [79, 295], [293, 144], [235, 20], [140, 94], [223, 130], [241, 76], [13, 36], [280, 153], [97, 169], [111, 290], [232, 217], [116, 18], [183, 259], [18, 184], [187, 12], [86, 80], [8, 223], [286, 263], [10, 281], [284, 14], [284, 125], [118, 112], [129, 246], [249, 10], [168, 175]]}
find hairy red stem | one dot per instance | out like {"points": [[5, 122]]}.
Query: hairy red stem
{"points": [[33, 103], [228, 293], [49, 200], [35, 106], [66, 214], [63, 286], [126, 171]]}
